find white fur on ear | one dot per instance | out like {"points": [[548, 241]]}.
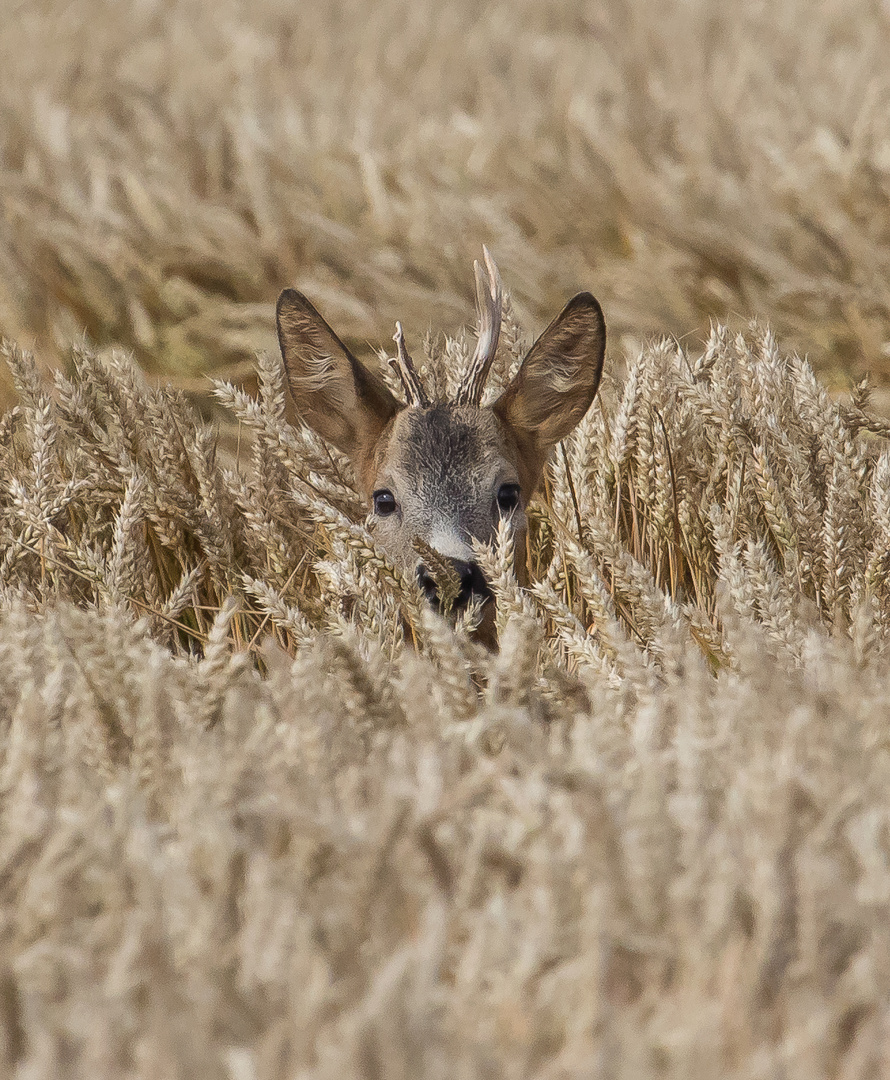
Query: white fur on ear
{"points": [[335, 394], [559, 377]]}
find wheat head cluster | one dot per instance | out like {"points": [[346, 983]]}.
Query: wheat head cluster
{"points": [[265, 813]]}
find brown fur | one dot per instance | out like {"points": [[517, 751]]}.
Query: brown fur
{"points": [[339, 397]]}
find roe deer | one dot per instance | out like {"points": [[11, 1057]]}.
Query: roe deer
{"points": [[439, 474]]}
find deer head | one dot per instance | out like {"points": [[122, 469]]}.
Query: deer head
{"points": [[438, 475]]}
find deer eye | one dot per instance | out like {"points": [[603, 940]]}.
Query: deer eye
{"points": [[508, 497], [384, 502]]}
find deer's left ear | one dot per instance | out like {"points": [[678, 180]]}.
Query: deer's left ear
{"points": [[558, 379]]}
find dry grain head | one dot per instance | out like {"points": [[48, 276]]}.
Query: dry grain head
{"points": [[438, 475]]}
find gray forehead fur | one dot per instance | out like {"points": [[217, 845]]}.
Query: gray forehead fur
{"points": [[446, 448]]}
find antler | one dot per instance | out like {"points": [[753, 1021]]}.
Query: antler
{"points": [[489, 302], [404, 366]]}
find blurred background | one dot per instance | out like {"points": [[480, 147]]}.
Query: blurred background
{"points": [[168, 166]]}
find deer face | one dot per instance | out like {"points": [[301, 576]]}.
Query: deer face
{"points": [[445, 475], [440, 475]]}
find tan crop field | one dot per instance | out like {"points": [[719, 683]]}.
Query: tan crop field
{"points": [[263, 814]]}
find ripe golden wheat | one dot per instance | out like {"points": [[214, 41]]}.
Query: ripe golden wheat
{"points": [[167, 166], [264, 814]]}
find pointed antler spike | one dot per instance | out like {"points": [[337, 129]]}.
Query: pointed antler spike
{"points": [[404, 366], [489, 306]]}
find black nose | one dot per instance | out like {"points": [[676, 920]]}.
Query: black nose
{"points": [[472, 584]]}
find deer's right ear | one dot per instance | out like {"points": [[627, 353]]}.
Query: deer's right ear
{"points": [[334, 393]]}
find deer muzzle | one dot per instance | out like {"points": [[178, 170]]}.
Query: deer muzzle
{"points": [[472, 584]]}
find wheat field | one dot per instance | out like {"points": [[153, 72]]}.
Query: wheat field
{"points": [[263, 813], [169, 165]]}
